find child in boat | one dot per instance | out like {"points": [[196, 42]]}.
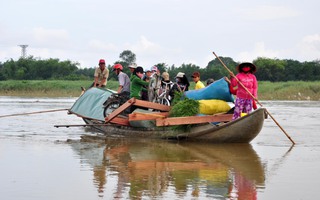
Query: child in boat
{"points": [[196, 78], [244, 100]]}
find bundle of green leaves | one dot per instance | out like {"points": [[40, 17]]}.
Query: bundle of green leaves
{"points": [[184, 108], [178, 96]]}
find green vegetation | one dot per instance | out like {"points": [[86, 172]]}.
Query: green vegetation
{"points": [[50, 88], [184, 108], [278, 79], [274, 70], [291, 90]]}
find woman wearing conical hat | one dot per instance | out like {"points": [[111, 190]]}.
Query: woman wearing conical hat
{"points": [[244, 100]]}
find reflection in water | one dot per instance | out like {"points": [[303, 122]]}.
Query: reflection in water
{"points": [[163, 169]]}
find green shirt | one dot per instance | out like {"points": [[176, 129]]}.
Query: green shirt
{"points": [[136, 86]]}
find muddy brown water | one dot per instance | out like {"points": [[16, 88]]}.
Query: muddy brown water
{"points": [[36, 162]]}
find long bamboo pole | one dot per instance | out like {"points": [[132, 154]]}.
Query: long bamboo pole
{"points": [[254, 98], [81, 125], [44, 111]]}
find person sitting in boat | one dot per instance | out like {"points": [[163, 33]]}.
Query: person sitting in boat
{"points": [[101, 75], [137, 84], [123, 78], [196, 78], [244, 100]]}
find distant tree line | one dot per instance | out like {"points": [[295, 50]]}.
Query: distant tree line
{"points": [[268, 69]]}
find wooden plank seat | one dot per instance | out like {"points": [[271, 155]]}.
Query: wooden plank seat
{"points": [[147, 116]]}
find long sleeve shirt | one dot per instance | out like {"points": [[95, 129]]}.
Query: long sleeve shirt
{"points": [[249, 81], [136, 86]]}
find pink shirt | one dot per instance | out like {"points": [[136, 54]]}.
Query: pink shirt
{"points": [[249, 81]]}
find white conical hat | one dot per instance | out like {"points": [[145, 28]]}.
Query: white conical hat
{"points": [[180, 75]]}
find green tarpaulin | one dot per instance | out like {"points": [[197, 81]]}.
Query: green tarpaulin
{"points": [[90, 104]]}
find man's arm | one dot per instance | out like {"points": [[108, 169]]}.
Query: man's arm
{"points": [[103, 82], [96, 79], [119, 88]]}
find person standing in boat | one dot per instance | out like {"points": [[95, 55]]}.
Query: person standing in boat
{"points": [[182, 82], [146, 77], [155, 83], [181, 85], [196, 78], [244, 101], [137, 84], [233, 90], [123, 78], [166, 85], [101, 75], [209, 81], [132, 67]]}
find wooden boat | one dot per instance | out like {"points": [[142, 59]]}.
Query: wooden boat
{"points": [[214, 128]]}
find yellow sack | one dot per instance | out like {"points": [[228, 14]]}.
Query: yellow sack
{"points": [[210, 107]]}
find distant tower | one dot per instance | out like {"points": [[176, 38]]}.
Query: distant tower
{"points": [[23, 50]]}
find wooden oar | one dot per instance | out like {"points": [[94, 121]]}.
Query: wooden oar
{"points": [[254, 98], [30, 113]]}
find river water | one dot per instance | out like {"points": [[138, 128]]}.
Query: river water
{"points": [[39, 161]]}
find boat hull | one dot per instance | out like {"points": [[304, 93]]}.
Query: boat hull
{"points": [[89, 106], [242, 130]]}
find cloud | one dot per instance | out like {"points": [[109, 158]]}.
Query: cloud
{"points": [[8, 53], [100, 45], [51, 38], [145, 46], [306, 49], [265, 12], [259, 50], [149, 52], [309, 47]]}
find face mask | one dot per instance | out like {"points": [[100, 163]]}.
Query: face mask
{"points": [[140, 75], [246, 69]]}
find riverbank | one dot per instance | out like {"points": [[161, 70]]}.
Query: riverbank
{"points": [[292, 90]]}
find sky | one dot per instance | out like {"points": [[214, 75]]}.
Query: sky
{"points": [[174, 32]]}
